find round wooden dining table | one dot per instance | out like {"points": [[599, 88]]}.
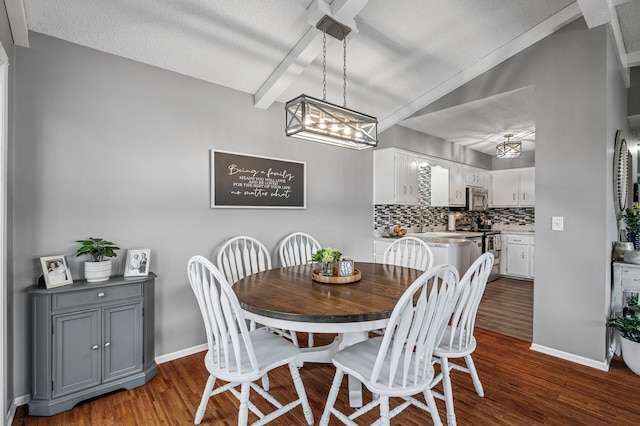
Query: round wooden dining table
{"points": [[289, 299]]}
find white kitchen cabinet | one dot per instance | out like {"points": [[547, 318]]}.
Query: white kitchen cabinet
{"points": [[439, 184], [513, 188], [457, 191], [519, 256], [527, 187], [475, 177], [395, 177], [504, 189]]}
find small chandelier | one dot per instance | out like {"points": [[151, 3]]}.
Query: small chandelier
{"points": [[509, 148], [320, 121]]}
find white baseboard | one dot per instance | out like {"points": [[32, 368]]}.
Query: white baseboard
{"points": [[182, 353], [604, 366], [11, 413]]}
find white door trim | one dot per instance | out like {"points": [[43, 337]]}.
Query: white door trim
{"points": [[4, 116]]}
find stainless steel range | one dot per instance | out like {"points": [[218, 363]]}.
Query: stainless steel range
{"points": [[492, 242]]}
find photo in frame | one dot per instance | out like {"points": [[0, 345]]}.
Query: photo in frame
{"points": [[55, 271], [137, 264]]}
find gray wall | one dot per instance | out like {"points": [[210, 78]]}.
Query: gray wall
{"points": [[112, 148], [7, 43]]}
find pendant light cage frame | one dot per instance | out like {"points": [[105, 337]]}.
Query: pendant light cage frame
{"points": [[320, 121], [317, 120], [509, 148]]}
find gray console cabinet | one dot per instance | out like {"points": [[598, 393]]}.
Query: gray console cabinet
{"points": [[89, 339]]}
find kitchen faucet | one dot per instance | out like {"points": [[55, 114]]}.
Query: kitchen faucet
{"points": [[423, 224]]}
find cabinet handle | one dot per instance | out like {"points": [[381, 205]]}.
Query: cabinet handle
{"points": [[106, 345], [405, 189], [514, 196], [522, 255], [524, 195], [94, 347], [101, 294]]}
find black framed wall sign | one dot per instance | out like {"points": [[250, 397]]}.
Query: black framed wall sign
{"points": [[248, 181]]}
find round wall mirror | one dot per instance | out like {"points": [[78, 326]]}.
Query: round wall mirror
{"points": [[620, 170]]}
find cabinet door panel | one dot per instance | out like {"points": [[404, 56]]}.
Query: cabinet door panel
{"points": [[76, 352], [527, 188], [122, 341], [504, 189], [518, 260]]}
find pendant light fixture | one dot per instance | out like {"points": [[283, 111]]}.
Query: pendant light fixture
{"points": [[509, 148], [320, 121]]}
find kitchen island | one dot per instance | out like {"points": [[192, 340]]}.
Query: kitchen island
{"points": [[453, 248]]}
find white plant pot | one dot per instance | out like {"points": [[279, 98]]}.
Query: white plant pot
{"points": [[631, 354], [97, 271]]}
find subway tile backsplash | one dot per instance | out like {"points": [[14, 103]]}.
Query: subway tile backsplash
{"points": [[414, 216]]}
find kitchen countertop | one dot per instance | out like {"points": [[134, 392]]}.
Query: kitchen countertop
{"points": [[459, 239]]}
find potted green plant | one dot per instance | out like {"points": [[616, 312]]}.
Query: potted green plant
{"points": [[325, 259], [631, 218], [97, 268], [628, 324]]}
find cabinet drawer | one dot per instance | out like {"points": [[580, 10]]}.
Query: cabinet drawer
{"points": [[518, 239], [631, 278], [96, 295]]}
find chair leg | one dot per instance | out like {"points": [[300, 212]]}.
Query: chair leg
{"points": [[310, 340], [243, 413], [331, 398], [206, 394], [384, 411], [265, 382], [302, 395], [448, 392], [433, 408], [294, 338], [474, 375]]}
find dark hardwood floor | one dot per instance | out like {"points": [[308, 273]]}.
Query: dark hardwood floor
{"points": [[507, 307], [522, 387]]}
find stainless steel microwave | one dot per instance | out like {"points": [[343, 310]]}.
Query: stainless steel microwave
{"points": [[477, 199]]}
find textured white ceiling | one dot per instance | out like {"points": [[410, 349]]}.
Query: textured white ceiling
{"points": [[403, 55]]}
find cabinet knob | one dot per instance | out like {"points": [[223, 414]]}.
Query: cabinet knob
{"points": [[101, 294], [106, 345], [95, 347]]}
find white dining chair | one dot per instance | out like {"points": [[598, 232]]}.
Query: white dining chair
{"points": [[235, 354], [297, 249], [398, 364], [458, 340], [410, 252], [241, 256]]}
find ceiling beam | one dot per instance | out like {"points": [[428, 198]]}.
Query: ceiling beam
{"points": [[596, 12], [307, 48], [17, 22], [525, 40]]}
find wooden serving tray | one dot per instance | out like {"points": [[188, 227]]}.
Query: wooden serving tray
{"points": [[335, 279]]}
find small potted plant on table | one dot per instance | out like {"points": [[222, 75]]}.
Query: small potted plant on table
{"points": [[628, 324], [98, 268], [325, 259]]}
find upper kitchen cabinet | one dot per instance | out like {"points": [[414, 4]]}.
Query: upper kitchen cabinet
{"points": [[439, 183], [395, 177], [513, 188], [475, 177], [457, 190]]}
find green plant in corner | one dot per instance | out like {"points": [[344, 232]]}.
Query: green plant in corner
{"points": [[326, 255], [628, 325], [632, 220], [97, 249]]}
